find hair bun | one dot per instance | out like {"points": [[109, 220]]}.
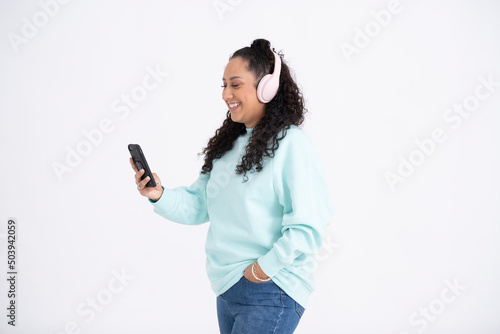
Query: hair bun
{"points": [[262, 46]]}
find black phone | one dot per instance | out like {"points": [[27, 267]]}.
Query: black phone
{"points": [[140, 162]]}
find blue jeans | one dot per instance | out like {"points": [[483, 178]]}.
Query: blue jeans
{"points": [[257, 308]]}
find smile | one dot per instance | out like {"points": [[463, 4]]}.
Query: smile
{"points": [[233, 106]]}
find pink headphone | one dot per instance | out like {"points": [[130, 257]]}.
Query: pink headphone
{"points": [[269, 84]]}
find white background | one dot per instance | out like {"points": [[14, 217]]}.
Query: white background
{"points": [[389, 252]]}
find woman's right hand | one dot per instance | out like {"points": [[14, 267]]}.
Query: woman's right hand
{"points": [[153, 193]]}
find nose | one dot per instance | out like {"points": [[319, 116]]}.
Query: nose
{"points": [[227, 94]]}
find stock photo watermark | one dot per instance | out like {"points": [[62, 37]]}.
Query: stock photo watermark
{"points": [[327, 249], [97, 303], [223, 6], [453, 116], [121, 107], [363, 36], [12, 271], [430, 312], [32, 26], [312, 263]]}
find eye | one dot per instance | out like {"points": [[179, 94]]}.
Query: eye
{"points": [[234, 86]]}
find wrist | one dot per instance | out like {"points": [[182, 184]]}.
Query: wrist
{"points": [[259, 271], [157, 199]]}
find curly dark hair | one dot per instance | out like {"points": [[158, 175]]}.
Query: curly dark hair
{"points": [[285, 109]]}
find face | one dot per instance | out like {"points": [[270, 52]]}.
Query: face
{"points": [[240, 93]]}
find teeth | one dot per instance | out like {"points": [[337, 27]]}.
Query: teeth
{"points": [[232, 105]]}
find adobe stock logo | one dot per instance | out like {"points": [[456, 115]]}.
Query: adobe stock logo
{"points": [[429, 313], [223, 6], [121, 106], [30, 28], [93, 305], [426, 147], [363, 37]]}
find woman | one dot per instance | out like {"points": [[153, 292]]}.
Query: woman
{"points": [[263, 189]]}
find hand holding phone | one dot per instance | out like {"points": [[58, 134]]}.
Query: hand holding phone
{"points": [[152, 189], [141, 163]]}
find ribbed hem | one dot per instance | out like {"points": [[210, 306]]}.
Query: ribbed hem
{"points": [[293, 287]]}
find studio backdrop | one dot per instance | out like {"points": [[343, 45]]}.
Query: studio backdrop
{"points": [[403, 102]]}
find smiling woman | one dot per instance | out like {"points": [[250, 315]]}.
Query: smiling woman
{"points": [[240, 93], [265, 231], [246, 68]]}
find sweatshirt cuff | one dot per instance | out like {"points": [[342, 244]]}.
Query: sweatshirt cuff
{"points": [[166, 202], [270, 263]]}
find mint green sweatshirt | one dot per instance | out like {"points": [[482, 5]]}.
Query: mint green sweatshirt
{"points": [[278, 217]]}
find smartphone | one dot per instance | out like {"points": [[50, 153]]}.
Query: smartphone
{"points": [[140, 162]]}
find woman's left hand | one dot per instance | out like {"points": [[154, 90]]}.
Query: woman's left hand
{"points": [[260, 274]]}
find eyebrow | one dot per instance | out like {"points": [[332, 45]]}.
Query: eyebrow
{"points": [[232, 78]]}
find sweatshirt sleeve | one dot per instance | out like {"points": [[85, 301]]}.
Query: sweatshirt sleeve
{"points": [[302, 190], [185, 205]]}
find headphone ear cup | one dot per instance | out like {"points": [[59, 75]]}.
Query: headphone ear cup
{"points": [[269, 84], [265, 92]]}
